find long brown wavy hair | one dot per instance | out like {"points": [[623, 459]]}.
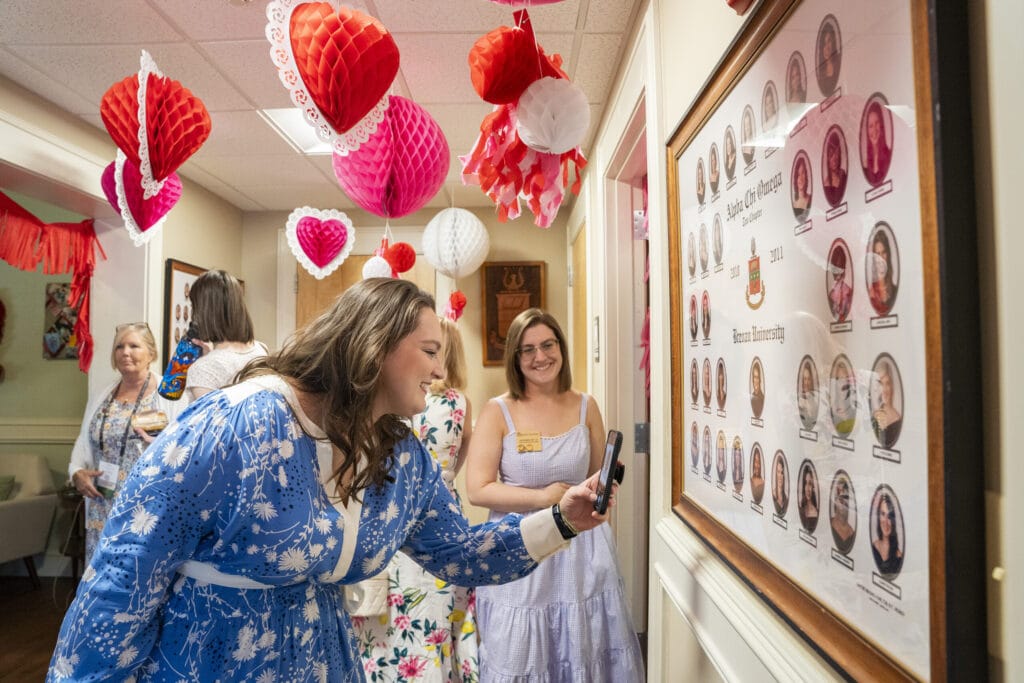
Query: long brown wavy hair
{"points": [[338, 357]]}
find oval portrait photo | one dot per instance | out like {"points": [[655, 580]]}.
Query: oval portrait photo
{"points": [[756, 387], [720, 462], [700, 180], [713, 168], [720, 387], [729, 148], [807, 496], [806, 392], [769, 107], [706, 382], [716, 240], [705, 314], [737, 465], [834, 163], [801, 181], [691, 254], [843, 395], [694, 381], [694, 445], [756, 473], [839, 280], [888, 541], [828, 55], [693, 317], [882, 268], [703, 241], [780, 483], [796, 79], [747, 134], [876, 133], [706, 450], [842, 512], [886, 400]]}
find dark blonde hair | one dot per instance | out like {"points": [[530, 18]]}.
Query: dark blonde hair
{"points": [[218, 308], [532, 317], [454, 359], [141, 329], [339, 357]]}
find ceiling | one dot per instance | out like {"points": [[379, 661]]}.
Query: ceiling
{"points": [[218, 49]]}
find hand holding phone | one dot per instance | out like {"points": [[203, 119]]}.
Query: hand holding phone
{"points": [[608, 470]]}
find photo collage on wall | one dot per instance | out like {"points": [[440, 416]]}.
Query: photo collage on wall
{"points": [[802, 338]]}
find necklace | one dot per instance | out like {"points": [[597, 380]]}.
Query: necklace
{"points": [[128, 425]]}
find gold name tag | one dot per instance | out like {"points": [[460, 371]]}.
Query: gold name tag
{"points": [[528, 442]]}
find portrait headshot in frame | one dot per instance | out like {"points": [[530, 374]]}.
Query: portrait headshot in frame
{"points": [[693, 317], [694, 444], [885, 396], [842, 508], [888, 540], [876, 133], [756, 387], [705, 314], [737, 465], [756, 473], [882, 268], [769, 107], [691, 254], [747, 134], [807, 393], [839, 280], [713, 168], [706, 382], [703, 241], [801, 182], [780, 483], [843, 395], [807, 496], [796, 78], [716, 239], [706, 449], [729, 148], [834, 162], [700, 180], [828, 55], [720, 388], [694, 381], [720, 461]]}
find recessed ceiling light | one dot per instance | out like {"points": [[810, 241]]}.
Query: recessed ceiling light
{"points": [[290, 125]]}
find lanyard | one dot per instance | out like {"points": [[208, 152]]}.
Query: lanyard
{"points": [[128, 426]]}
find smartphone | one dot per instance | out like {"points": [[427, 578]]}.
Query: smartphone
{"points": [[608, 470]]}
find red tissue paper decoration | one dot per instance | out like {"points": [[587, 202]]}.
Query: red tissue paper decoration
{"points": [[741, 6], [505, 61], [401, 166], [336, 65], [401, 256], [455, 306], [25, 241], [156, 121]]}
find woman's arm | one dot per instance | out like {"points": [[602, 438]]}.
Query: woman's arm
{"points": [[597, 435], [483, 461]]}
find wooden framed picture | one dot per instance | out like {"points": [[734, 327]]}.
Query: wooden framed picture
{"points": [[509, 287], [178, 279], [822, 255]]}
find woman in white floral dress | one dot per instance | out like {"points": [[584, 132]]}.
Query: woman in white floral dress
{"points": [[428, 632]]}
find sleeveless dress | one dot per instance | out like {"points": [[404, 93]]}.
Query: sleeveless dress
{"points": [[429, 630], [568, 620]]}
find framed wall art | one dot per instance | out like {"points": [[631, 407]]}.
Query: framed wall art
{"points": [[831, 276], [509, 287], [178, 278]]}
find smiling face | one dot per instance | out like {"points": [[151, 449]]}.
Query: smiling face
{"points": [[756, 467], [540, 357], [834, 157], [880, 264], [884, 385], [409, 369], [780, 477], [801, 178], [808, 485], [874, 127], [885, 518], [806, 380], [755, 378]]}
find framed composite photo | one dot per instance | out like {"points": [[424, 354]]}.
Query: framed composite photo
{"points": [[509, 287], [178, 279], [830, 274]]}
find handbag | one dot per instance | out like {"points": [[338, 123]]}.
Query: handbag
{"points": [[369, 597]]}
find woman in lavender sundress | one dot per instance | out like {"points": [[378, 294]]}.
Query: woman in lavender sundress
{"points": [[224, 554], [569, 620], [430, 624]]}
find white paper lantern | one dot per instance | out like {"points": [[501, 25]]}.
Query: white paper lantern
{"points": [[376, 266], [553, 115], [455, 242]]}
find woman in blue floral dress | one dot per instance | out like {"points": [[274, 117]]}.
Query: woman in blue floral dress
{"points": [[427, 631], [224, 554]]}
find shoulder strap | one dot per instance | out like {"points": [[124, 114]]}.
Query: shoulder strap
{"points": [[508, 416], [583, 409]]}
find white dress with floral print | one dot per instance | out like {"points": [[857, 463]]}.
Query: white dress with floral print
{"points": [[223, 555], [429, 631]]}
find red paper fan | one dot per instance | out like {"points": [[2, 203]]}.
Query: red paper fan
{"points": [[505, 61]]}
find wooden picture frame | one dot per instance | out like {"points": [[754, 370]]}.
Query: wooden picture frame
{"points": [[507, 288], [799, 281], [178, 278]]}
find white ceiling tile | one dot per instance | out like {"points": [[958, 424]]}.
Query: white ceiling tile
{"points": [[247, 65], [110, 22], [216, 19], [437, 75], [608, 16], [54, 90], [232, 133], [599, 60], [288, 197], [259, 169]]}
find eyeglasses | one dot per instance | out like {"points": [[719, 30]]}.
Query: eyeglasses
{"points": [[529, 352], [125, 326]]}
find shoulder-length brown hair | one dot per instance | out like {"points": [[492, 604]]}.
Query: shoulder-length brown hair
{"points": [[338, 357], [218, 308], [522, 322], [454, 359]]}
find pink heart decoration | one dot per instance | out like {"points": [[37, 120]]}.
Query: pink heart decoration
{"points": [[320, 239], [144, 216]]}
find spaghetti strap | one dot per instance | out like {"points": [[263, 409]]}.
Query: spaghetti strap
{"points": [[508, 416], [583, 410]]}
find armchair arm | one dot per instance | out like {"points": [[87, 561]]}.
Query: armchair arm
{"points": [[25, 525]]}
